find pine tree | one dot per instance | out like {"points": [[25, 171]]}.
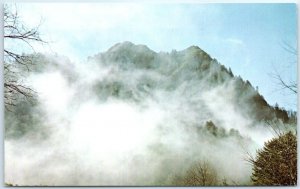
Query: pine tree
{"points": [[276, 163]]}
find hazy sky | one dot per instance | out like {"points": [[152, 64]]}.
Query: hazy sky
{"points": [[248, 38]]}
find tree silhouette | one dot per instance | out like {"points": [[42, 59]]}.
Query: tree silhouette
{"points": [[289, 85], [199, 174], [15, 32]]}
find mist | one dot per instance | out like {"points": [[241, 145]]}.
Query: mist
{"points": [[131, 116]]}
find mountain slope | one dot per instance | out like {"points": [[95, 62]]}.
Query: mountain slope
{"points": [[192, 70]]}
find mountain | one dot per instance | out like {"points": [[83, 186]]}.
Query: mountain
{"points": [[133, 116], [191, 70]]}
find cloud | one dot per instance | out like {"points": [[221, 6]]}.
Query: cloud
{"points": [[235, 41], [120, 123]]}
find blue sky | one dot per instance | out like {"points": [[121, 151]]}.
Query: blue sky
{"points": [[248, 38]]}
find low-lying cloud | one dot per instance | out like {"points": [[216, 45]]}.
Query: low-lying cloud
{"points": [[130, 119]]}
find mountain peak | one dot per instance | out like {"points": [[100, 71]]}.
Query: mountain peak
{"points": [[196, 51], [129, 46], [194, 47], [120, 45]]}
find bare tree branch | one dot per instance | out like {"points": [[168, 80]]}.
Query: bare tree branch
{"points": [[15, 32], [286, 46], [292, 86]]}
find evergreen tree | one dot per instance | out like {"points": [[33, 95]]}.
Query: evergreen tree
{"points": [[276, 163]]}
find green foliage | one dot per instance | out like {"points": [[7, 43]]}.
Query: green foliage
{"points": [[281, 113], [276, 163], [211, 127], [218, 132], [26, 118]]}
